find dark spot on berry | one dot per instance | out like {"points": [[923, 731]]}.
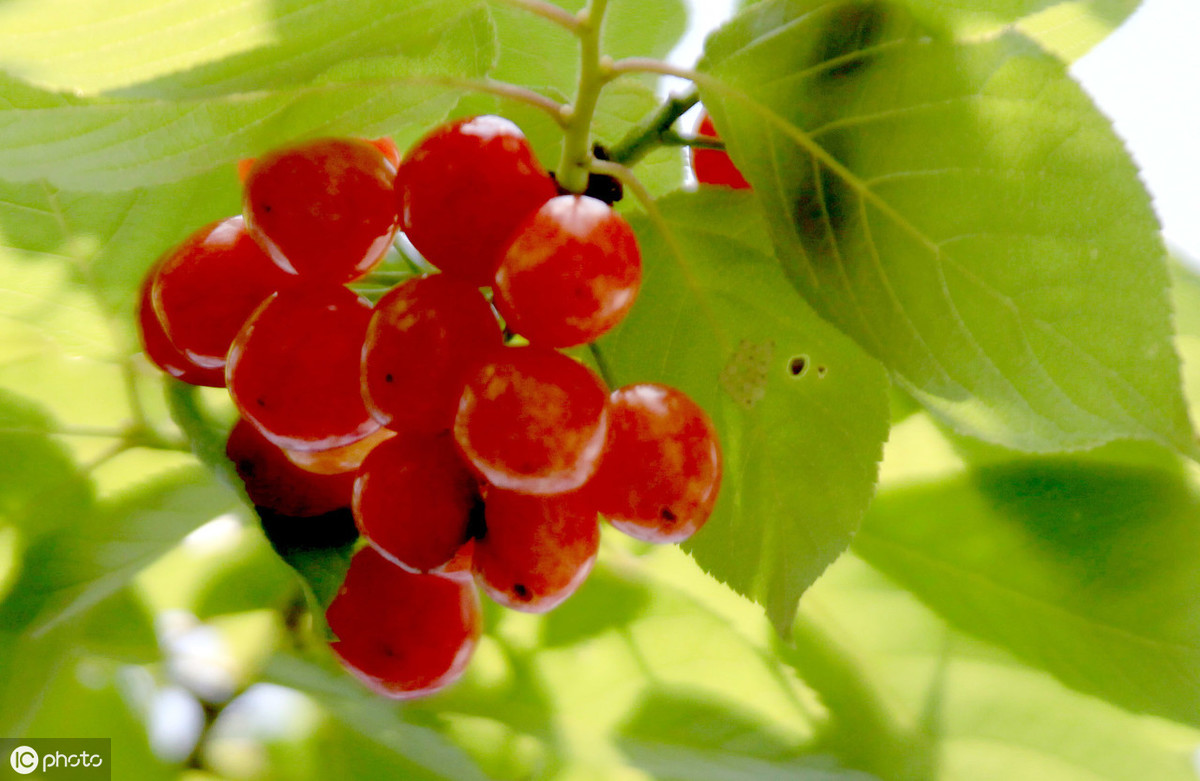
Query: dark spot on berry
{"points": [[267, 207], [852, 28], [797, 365], [387, 378], [521, 592], [260, 402], [667, 514]]}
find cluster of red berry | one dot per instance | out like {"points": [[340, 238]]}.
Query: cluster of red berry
{"points": [[467, 457]]}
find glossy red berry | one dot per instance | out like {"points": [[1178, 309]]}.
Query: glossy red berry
{"points": [[336, 460], [161, 352], [208, 286], [661, 471], [714, 166], [413, 500], [403, 634], [426, 335], [531, 419], [537, 549], [570, 273], [464, 188], [293, 369], [274, 482], [324, 210]]}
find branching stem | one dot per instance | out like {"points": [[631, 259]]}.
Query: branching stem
{"points": [[573, 166], [652, 131]]}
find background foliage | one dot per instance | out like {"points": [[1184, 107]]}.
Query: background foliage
{"points": [[947, 250]]}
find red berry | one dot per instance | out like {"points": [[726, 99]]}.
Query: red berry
{"points": [[293, 369], [161, 352], [337, 460], [274, 482], [570, 274], [208, 286], [323, 209], [537, 549], [714, 166], [413, 500], [464, 188], [403, 634], [661, 471], [532, 420], [425, 337]]}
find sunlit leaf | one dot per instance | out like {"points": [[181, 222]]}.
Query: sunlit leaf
{"points": [[963, 211], [117, 143], [801, 411]]}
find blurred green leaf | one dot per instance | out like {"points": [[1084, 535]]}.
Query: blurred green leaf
{"points": [[66, 571], [676, 735], [170, 51], [986, 716], [85, 699], [121, 628], [963, 211], [1082, 565], [253, 577], [117, 143], [801, 411], [423, 752]]}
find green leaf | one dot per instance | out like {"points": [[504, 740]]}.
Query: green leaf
{"points": [[251, 578], [425, 753], [1082, 565], [801, 411], [71, 569], [674, 734], [41, 488], [116, 143], [1070, 29], [963, 211], [981, 714], [1185, 292], [149, 49]]}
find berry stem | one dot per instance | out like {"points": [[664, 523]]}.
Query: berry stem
{"points": [[573, 166], [548, 11], [602, 366], [652, 131]]}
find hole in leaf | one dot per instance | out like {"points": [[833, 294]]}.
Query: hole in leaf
{"points": [[821, 371], [798, 365]]}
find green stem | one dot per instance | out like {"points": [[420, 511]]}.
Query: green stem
{"points": [[653, 130], [573, 166], [671, 138]]}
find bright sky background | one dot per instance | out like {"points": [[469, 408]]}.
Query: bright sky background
{"points": [[1145, 77]]}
